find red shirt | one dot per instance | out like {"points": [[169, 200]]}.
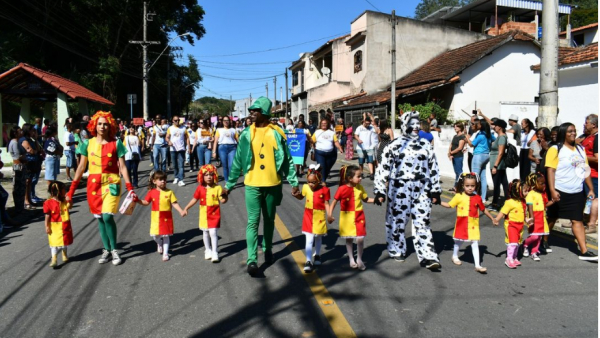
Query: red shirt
{"points": [[590, 144]]}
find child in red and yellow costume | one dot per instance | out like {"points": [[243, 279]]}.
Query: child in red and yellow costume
{"points": [[468, 204], [314, 225], [209, 193], [514, 213], [537, 202], [104, 156], [58, 222], [161, 221]]}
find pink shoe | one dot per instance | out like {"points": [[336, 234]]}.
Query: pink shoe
{"points": [[510, 264], [517, 262]]}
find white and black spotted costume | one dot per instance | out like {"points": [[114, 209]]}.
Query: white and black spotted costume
{"points": [[410, 167]]}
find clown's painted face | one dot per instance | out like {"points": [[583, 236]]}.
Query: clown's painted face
{"points": [[414, 125]]}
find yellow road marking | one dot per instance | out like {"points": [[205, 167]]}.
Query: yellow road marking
{"points": [[554, 233], [333, 314]]}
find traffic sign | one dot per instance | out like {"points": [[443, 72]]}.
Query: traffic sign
{"points": [[131, 98]]}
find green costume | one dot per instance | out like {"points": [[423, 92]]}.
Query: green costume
{"points": [[261, 199]]}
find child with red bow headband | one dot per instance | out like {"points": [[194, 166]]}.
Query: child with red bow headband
{"points": [[209, 193]]}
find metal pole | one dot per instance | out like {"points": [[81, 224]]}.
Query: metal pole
{"points": [[393, 94], [274, 92], [145, 68], [267, 88], [286, 92], [548, 108], [169, 86], [131, 107]]}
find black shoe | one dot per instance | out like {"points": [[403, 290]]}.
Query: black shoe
{"points": [[252, 269], [431, 265], [269, 257], [588, 256], [317, 260], [400, 258], [372, 177], [492, 207], [546, 246], [308, 267]]}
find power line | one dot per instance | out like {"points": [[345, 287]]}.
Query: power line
{"points": [[373, 5], [238, 79]]}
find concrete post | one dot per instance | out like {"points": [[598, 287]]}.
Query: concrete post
{"points": [[48, 110], [548, 108], [83, 107], [25, 112], [62, 112]]}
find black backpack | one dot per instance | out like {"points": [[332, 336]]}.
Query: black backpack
{"points": [[511, 156]]}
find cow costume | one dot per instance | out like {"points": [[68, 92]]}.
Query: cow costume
{"points": [[408, 176]]}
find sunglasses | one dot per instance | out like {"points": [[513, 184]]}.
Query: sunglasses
{"points": [[176, 120]]}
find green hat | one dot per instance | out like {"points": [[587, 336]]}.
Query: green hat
{"points": [[262, 103]]}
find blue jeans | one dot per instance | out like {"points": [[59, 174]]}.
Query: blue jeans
{"points": [[457, 163], [177, 159], [326, 160], [159, 152], [132, 169], [226, 154], [480, 162], [203, 154]]}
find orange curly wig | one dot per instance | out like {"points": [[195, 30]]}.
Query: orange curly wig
{"points": [[207, 168], [93, 124]]}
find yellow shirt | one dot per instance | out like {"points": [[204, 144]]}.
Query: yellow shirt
{"points": [[263, 172]]}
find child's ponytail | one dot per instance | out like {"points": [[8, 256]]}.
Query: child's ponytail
{"points": [[55, 188], [515, 190], [343, 170]]}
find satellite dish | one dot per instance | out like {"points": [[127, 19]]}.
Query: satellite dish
{"points": [[325, 71]]}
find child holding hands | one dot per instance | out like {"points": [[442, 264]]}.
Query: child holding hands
{"points": [[351, 194], [314, 226], [513, 211], [468, 204], [58, 222], [537, 202], [209, 193], [161, 222]]}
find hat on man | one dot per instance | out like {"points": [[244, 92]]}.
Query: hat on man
{"points": [[513, 117]]}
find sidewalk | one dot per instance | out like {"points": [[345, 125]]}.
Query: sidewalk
{"points": [[559, 230]]}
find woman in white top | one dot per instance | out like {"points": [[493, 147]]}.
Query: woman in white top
{"points": [[193, 134], [324, 143], [527, 134], [204, 140], [226, 144], [133, 156]]}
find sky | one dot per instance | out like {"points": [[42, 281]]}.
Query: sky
{"points": [[267, 37]]}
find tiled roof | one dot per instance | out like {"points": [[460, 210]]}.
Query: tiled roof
{"points": [[575, 55], [448, 64], [592, 25], [381, 97], [18, 78]]}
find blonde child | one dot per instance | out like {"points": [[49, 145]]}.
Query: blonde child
{"points": [[514, 213], [161, 222], [468, 205], [209, 193], [352, 217], [314, 225], [58, 221], [537, 202]]}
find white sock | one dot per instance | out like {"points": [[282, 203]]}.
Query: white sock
{"points": [[457, 244], [206, 239], [213, 239], [310, 238], [54, 250], [318, 242], [475, 249], [166, 242]]}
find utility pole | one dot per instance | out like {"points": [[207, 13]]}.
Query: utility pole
{"points": [[548, 108], [274, 91], [230, 105], [145, 43], [169, 87], [393, 94], [267, 88], [286, 93]]}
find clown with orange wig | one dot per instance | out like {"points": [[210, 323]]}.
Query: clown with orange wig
{"points": [[210, 195], [103, 154]]}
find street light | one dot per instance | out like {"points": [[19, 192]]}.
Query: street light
{"points": [[161, 53]]}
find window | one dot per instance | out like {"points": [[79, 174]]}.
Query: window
{"points": [[295, 79], [358, 61]]}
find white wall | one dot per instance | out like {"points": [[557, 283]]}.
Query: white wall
{"points": [[577, 94], [505, 75]]}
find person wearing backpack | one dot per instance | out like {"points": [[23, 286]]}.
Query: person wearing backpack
{"points": [[497, 151]]}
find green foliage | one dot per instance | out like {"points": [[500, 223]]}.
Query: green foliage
{"points": [[584, 14], [87, 41], [212, 105], [426, 7], [426, 109]]}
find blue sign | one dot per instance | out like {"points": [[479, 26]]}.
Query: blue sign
{"points": [[539, 33], [297, 144]]}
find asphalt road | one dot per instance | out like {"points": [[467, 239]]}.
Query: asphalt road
{"points": [[189, 296]]}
